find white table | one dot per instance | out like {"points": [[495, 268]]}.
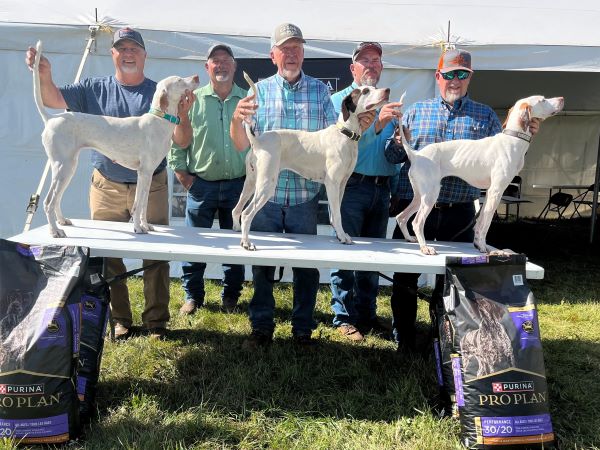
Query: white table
{"points": [[117, 239]]}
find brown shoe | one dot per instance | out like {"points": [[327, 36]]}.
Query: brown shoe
{"points": [[157, 333], [350, 332], [257, 340], [121, 332], [189, 307], [229, 305]]}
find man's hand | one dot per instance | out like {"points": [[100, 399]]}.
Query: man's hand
{"points": [[534, 126], [387, 113], [397, 136], [44, 67], [366, 119], [245, 109], [185, 104], [185, 178]]}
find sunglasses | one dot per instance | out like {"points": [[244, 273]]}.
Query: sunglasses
{"points": [[460, 74]]}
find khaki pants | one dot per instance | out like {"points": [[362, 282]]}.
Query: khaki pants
{"points": [[113, 201]]}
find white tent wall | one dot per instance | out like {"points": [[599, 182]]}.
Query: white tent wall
{"points": [[527, 37]]}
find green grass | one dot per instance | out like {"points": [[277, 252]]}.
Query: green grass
{"points": [[199, 390]]}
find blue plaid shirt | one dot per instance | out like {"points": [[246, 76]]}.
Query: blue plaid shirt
{"points": [[304, 105], [435, 120]]}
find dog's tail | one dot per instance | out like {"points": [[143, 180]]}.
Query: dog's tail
{"points": [[250, 128], [37, 90], [410, 152]]}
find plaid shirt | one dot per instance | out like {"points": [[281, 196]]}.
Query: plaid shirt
{"points": [[305, 105], [435, 120]]}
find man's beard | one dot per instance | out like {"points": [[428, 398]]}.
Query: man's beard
{"points": [[369, 80], [452, 97], [222, 77], [290, 74], [128, 69]]}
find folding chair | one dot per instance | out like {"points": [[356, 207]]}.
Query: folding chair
{"points": [[558, 203], [512, 196], [585, 198]]}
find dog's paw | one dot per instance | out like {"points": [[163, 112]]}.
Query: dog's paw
{"points": [[410, 238], [140, 229], [345, 239], [58, 233], [236, 226], [65, 221], [247, 245], [426, 250]]}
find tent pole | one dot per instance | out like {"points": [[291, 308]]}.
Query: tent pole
{"points": [[595, 197], [35, 198]]}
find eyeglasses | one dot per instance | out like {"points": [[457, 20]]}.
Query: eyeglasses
{"points": [[134, 50], [460, 74]]}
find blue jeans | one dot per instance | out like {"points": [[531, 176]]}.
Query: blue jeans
{"points": [[204, 199], [446, 224], [365, 212], [300, 219]]}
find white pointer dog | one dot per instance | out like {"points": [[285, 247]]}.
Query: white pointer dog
{"points": [[490, 163], [138, 143], [327, 156]]}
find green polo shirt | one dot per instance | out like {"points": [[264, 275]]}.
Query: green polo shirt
{"points": [[211, 155]]}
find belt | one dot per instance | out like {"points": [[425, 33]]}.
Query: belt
{"points": [[375, 179], [441, 205]]}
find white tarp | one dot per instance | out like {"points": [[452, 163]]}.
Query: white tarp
{"points": [[527, 36]]}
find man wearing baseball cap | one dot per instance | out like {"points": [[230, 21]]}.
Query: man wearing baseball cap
{"points": [[451, 115], [365, 204], [211, 170], [126, 93], [283, 102]]}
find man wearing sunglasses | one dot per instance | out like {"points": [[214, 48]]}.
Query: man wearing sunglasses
{"points": [[451, 115], [366, 200]]}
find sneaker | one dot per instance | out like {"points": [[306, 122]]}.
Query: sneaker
{"points": [[229, 305], [304, 341], [157, 332], [350, 332], [188, 308], [257, 340], [121, 332]]}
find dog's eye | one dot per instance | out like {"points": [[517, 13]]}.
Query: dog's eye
{"points": [[365, 91]]}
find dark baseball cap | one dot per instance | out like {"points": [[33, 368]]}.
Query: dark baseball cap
{"points": [[454, 59], [366, 46], [129, 34], [285, 32], [215, 47]]}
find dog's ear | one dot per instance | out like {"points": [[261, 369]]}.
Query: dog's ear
{"points": [[164, 100], [524, 116], [506, 120], [349, 103]]}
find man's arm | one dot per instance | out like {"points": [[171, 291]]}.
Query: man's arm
{"points": [[182, 135], [244, 111], [51, 95]]}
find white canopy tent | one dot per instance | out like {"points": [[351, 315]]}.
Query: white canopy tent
{"points": [[551, 48]]}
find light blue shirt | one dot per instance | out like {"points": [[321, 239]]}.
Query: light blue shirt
{"points": [[371, 159]]}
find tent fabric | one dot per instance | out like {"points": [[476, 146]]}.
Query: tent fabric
{"points": [[528, 37]]}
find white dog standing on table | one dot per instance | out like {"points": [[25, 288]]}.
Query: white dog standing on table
{"points": [[327, 156], [490, 163], [138, 143]]}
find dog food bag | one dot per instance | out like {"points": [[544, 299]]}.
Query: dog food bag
{"points": [[39, 341], [491, 354], [94, 307]]}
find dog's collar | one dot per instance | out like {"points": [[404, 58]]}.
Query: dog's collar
{"points": [[519, 134], [345, 131], [164, 115]]}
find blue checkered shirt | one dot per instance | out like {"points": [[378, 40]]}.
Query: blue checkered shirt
{"points": [[435, 120], [304, 105]]}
